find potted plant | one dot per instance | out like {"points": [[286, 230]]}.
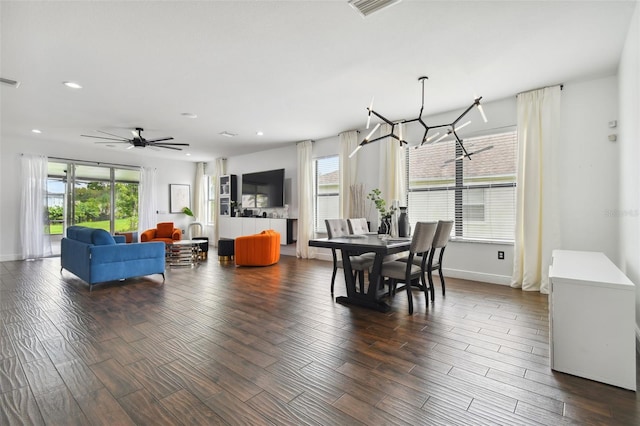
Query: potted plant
{"points": [[188, 212], [385, 213], [235, 206]]}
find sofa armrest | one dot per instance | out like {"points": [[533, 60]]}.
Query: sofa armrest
{"points": [[148, 235], [177, 234]]}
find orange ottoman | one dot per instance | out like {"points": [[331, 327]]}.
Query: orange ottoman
{"points": [[261, 249]]}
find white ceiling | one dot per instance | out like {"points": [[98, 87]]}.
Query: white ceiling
{"points": [[295, 70]]}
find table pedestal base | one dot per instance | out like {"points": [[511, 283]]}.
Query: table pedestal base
{"points": [[365, 303]]}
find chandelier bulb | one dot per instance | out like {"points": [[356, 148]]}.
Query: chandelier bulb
{"points": [[442, 137], [462, 125], [371, 133], [432, 137], [369, 115], [355, 150], [484, 117]]}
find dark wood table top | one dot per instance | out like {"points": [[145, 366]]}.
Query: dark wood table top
{"points": [[364, 243]]}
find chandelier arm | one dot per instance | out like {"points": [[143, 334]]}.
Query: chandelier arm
{"points": [[466, 111], [460, 144], [389, 122], [376, 139]]}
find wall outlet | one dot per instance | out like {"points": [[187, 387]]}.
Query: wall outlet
{"points": [[501, 255]]}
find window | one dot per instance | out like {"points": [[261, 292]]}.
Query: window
{"points": [[478, 194], [327, 191], [94, 196]]}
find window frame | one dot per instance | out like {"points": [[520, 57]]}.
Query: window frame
{"points": [[459, 187], [320, 227]]}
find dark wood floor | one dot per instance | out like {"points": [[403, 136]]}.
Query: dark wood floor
{"points": [[223, 345]]}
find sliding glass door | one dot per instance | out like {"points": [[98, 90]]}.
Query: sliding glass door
{"points": [[96, 196]]}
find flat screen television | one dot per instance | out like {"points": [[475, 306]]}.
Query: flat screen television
{"points": [[263, 189]]}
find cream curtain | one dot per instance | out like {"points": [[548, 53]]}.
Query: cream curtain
{"points": [[220, 170], [148, 202], [392, 176], [305, 200], [35, 244], [200, 195], [348, 169], [537, 225]]}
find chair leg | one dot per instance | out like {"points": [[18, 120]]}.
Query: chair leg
{"points": [[427, 289], [361, 281], [333, 277], [409, 297], [440, 269], [431, 287]]}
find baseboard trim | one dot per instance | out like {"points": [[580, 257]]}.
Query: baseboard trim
{"points": [[477, 276]]}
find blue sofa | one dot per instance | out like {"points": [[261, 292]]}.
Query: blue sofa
{"points": [[96, 256]]}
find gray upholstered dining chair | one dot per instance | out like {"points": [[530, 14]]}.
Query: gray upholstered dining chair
{"points": [[440, 239], [407, 271], [338, 228], [358, 226]]}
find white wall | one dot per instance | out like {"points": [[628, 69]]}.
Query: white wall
{"points": [[280, 158], [629, 152], [588, 166], [169, 171]]}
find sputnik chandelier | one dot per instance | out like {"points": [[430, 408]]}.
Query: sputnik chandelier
{"points": [[452, 128]]}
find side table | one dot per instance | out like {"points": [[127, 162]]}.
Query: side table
{"points": [[183, 253]]}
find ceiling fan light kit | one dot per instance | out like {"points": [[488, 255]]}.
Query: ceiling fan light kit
{"points": [[452, 128], [138, 141]]}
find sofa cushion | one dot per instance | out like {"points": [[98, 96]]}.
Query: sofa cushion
{"points": [[100, 237], [90, 235], [164, 230]]}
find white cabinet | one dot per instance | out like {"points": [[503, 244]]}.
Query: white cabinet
{"points": [[227, 193], [232, 227], [592, 318]]}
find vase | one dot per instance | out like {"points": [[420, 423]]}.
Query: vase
{"points": [[404, 227], [385, 226]]}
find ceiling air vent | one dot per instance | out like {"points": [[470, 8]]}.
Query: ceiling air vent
{"points": [[13, 83], [367, 7]]}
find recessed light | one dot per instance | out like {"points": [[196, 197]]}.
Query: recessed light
{"points": [[259, 133], [36, 131], [72, 85], [188, 154], [189, 115], [228, 134]]}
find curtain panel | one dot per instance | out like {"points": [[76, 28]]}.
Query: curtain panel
{"points": [[33, 203], [148, 201], [305, 199], [537, 224], [348, 169]]}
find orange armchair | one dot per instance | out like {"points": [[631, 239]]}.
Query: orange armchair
{"points": [[164, 231], [261, 249]]}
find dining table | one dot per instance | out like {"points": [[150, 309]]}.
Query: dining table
{"points": [[369, 296]]}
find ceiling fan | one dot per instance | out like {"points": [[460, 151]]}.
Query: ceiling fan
{"points": [[138, 141]]}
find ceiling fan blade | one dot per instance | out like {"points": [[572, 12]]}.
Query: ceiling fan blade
{"points": [[111, 134], [160, 140], [109, 139], [165, 143], [126, 142]]}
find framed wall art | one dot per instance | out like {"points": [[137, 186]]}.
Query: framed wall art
{"points": [[179, 197]]}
